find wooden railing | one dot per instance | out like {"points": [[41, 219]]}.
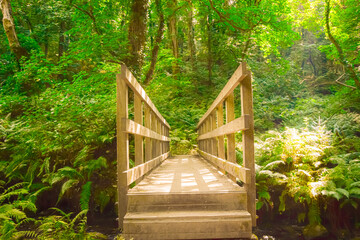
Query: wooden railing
{"points": [[149, 124], [211, 131]]}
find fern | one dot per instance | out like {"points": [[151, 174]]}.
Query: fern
{"points": [[85, 196], [66, 186]]}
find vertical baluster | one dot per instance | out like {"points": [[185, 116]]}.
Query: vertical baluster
{"points": [[220, 122], [230, 115], [214, 140], [122, 144], [138, 118], [148, 147], [248, 143], [153, 128]]}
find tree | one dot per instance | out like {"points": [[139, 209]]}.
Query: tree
{"points": [[9, 26]]}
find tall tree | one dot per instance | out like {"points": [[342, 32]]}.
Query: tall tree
{"points": [[156, 47], [137, 34], [174, 35], [341, 57], [9, 26], [191, 42]]}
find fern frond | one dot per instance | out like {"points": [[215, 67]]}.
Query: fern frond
{"points": [[66, 186], [274, 164], [85, 195]]}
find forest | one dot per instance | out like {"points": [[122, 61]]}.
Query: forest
{"points": [[58, 66]]}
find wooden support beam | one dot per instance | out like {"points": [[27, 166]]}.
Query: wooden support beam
{"points": [[220, 123], [234, 169], [147, 122], [214, 139], [138, 118], [234, 126], [153, 128], [248, 143], [136, 87], [132, 127], [234, 81], [122, 145], [137, 172], [230, 116]]}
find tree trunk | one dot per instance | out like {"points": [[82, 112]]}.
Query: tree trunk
{"points": [[173, 35], [209, 44], [156, 47], [342, 59], [137, 34], [191, 42], [9, 26], [61, 39]]}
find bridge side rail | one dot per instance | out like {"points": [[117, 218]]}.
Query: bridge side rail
{"points": [[211, 131], [150, 130]]}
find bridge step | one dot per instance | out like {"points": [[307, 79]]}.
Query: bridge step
{"points": [[150, 202], [188, 225]]}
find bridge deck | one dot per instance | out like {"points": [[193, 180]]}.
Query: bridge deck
{"points": [[185, 174]]}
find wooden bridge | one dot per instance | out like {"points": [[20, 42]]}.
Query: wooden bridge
{"points": [[205, 196]]}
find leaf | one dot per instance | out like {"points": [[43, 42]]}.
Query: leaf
{"points": [[259, 205], [343, 192], [85, 196], [355, 191], [66, 186], [264, 195]]}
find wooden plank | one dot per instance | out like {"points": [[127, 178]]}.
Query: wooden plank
{"points": [[138, 118], [214, 140], [153, 128], [233, 82], [234, 169], [122, 145], [132, 127], [248, 144], [158, 145], [148, 147], [234, 126], [220, 123], [136, 87], [230, 116], [137, 172]]}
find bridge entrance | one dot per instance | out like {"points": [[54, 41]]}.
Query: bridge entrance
{"points": [[189, 196]]}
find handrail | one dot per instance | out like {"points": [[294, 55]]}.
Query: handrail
{"points": [[150, 130], [211, 131]]}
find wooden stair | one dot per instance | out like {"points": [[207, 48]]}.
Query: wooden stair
{"points": [[183, 213]]}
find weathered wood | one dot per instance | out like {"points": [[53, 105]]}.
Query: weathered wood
{"points": [[214, 140], [154, 129], [122, 146], [234, 81], [138, 118], [132, 127], [136, 87], [220, 123], [248, 143], [234, 126], [158, 145], [137, 172], [147, 124], [230, 116], [234, 169]]}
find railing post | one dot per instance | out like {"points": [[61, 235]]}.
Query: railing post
{"points": [[220, 122], [248, 143], [214, 140], [122, 145], [230, 115], [147, 122], [138, 118], [153, 141]]}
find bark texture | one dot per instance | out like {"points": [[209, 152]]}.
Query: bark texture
{"points": [[158, 39], [173, 35], [137, 34], [9, 27]]}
